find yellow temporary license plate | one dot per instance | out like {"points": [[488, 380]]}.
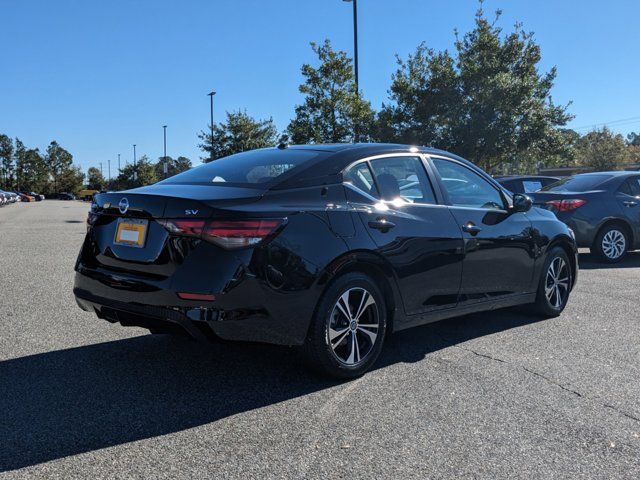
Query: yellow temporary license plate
{"points": [[131, 232]]}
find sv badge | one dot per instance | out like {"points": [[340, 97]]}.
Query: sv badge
{"points": [[191, 212]]}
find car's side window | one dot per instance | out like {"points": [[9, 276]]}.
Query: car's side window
{"points": [[626, 188], [403, 177], [466, 188], [635, 186], [360, 176]]}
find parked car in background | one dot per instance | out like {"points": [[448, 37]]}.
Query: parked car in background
{"points": [[4, 198], [602, 208], [525, 183], [87, 194], [36, 196], [24, 197], [66, 196], [326, 247]]}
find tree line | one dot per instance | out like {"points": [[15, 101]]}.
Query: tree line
{"points": [[51, 172], [486, 100]]}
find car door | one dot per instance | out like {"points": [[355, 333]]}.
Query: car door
{"points": [[628, 197], [395, 201], [498, 244]]}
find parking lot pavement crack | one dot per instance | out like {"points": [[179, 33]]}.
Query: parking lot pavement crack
{"points": [[621, 412], [483, 355], [548, 380], [553, 382]]}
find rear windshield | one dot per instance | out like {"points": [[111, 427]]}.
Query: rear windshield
{"points": [[247, 169], [579, 183]]}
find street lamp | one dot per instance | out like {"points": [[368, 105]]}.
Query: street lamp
{"points": [[164, 128], [355, 40], [211, 94], [135, 165], [165, 165], [355, 56]]}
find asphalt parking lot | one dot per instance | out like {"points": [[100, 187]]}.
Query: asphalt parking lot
{"points": [[496, 395]]}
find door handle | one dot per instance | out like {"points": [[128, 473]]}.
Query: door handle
{"points": [[630, 203], [471, 228], [381, 224]]}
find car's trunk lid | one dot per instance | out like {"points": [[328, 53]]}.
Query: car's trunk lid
{"points": [[158, 254]]}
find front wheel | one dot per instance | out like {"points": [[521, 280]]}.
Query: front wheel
{"points": [[347, 331], [555, 284]]}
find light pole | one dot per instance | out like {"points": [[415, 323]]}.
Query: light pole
{"points": [[109, 168], [355, 55], [211, 94], [165, 165], [118, 164], [164, 128], [355, 40], [135, 164]]}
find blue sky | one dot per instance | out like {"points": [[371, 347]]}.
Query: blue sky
{"points": [[101, 76]]}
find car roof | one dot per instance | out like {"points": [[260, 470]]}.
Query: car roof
{"points": [[328, 167]]}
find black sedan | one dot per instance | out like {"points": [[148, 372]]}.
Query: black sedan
{"points": [[327, 247], [603, 209]]}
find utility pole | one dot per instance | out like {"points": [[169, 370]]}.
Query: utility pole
{"points": [[109, 168], [211, 94], [101, 168], [119, 164]]}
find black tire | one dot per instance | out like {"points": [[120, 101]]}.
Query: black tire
{"points": [[547, 303], [337, 360], [611, 243]]}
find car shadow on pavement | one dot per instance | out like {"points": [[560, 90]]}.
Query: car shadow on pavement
{"points": [[67, 402], [589, 261]]}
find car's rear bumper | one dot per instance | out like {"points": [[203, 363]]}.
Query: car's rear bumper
{"points": [[248, 309]]}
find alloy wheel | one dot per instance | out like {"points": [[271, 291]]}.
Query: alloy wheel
{"points": [[557, 282], [614, 244], [353, 326]]}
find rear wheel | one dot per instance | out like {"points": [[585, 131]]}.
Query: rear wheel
{"points": [[611, 243], [555, 284], [348, 328]]}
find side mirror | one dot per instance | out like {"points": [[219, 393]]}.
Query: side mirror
{"points": [[521, 203]]}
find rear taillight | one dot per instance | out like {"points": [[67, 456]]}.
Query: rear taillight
{"points": [[228, 234], [191, 228], [566, 205]]}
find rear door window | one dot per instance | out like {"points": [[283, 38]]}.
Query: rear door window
{"points": [[360, 176], [403, 177], [631, 187]]}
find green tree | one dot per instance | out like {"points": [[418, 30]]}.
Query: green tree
{"points": [[70, 180], [6, 162], [173, 166], [633, 139], [31, 170], [333, 110], [137, 175], [95, 179], [241, 132], [602, 150], [58, 161], [488, 102]]}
